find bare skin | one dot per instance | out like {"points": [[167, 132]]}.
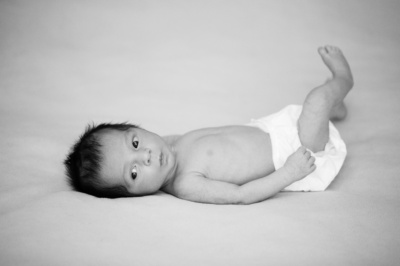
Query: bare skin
{"points": [[325, 102], [233, 164]]}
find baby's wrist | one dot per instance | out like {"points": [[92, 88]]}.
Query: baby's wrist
{"points": [[289, 173]]}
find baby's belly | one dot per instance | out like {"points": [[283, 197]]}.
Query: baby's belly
{"points": [[242, 155], [240, 171]]}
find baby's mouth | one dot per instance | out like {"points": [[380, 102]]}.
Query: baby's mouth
{"points": [[161, 158]]}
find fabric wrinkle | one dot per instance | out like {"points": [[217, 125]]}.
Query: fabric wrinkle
{"points": [[283, 129]]}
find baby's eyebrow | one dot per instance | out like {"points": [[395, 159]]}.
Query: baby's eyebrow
{"points": [[126, 165], [127, 141]]}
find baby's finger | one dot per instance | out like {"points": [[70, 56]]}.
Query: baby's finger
{"points": [[311, 161], [302, 149], [307, 154], [313, 167]]}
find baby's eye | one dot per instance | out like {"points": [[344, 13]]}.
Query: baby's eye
{"points": [[134, 173], [135, 142]]}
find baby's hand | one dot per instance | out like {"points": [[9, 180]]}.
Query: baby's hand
{"points": [[300, 164]]}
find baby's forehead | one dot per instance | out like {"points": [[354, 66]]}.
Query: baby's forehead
{"points": [[113, 150], [112, 142], [111, 135]]}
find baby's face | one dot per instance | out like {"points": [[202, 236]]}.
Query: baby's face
{"points": [[137, 159]]}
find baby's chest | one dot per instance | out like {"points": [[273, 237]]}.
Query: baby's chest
{"points": [[235, 158]]}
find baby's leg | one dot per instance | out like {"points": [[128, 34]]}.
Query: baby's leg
{"points": [[325, 102]]}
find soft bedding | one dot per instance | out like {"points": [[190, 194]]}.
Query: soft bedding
{"points": [[174, 66]]}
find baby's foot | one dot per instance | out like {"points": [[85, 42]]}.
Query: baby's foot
{"points": [[342, 78], [336, 62]]}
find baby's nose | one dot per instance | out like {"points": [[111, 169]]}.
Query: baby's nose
{"points": [[147, 156]]}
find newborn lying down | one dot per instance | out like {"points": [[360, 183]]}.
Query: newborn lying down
{"points": [[296, 149]]}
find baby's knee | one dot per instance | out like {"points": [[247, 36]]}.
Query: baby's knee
{"points": [[317, 101]]}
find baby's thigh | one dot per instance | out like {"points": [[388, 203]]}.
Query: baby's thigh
{"points": [[313, 124]]}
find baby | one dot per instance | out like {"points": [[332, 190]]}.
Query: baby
{"points": [[296, 149]]}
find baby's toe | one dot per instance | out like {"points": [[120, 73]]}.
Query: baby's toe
{"points": [[322, 51]]}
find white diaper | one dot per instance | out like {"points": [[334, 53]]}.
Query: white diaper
{"points": [[282, 127]]}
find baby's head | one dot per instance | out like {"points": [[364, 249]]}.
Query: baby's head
{"points": [[119, 160]]}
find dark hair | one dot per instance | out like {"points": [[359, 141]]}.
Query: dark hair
{"points": [[84, 160]]}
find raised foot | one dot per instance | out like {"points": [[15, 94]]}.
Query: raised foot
{"points": [[341, 82], [336, 62]]}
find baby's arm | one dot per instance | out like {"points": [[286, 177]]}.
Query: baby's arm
{"points": [[297, 166], [200, 189]]}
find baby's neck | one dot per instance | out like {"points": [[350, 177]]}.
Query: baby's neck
{"points": [[171, 142]]}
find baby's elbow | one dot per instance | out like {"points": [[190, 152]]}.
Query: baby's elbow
{"points": [[243, 197], [246, 202], [247, 197]]}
